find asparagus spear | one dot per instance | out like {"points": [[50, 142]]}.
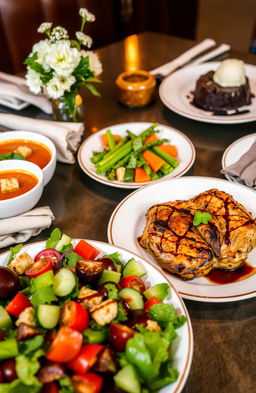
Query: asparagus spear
{"points": [[108, 163], [165, 156], [98, 156], [110, 139], [122, 162]]}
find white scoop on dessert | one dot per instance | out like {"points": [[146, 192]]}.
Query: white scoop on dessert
{"points": [[230, 73]]}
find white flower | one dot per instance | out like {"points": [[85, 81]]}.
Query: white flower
{"points": [[84, 13], [44, 27], [33, 81], [59, 33], [94, 62], [62, 58], [55, 88], [42, 48], [86, 40]]}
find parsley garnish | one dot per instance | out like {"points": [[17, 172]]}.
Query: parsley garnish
{"points": [[201, 218]]}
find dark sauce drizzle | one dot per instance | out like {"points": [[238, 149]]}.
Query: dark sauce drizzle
{"points": [[218, 276]]}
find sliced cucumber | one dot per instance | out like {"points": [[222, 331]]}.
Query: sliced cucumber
{"points": [[48, 315], [132, 297], [127, 380], [5, 319], [64, 282], [161, 291], [133, 268], [109, 275], [64, 241]]}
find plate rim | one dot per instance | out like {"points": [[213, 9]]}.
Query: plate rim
{"points": [[197, 117], [133, 185], [188, 363], [200, 298], [224, 156]]}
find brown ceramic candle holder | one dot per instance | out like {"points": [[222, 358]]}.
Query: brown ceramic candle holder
{"points": [[135, 88]]}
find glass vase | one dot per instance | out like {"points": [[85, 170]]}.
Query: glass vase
{"points": [[62, 112]]}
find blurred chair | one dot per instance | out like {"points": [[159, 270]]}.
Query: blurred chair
{"points": [[21, 18]]}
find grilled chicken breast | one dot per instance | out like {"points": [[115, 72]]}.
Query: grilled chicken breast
{"points": [[193, 251], [238, 227], [176, 244]]}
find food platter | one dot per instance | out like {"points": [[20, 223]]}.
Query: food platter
{"points": [[186, 152], [128, 220], [183, 345], [235, 151], [175, 92]]}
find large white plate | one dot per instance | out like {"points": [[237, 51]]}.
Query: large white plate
{"points": [[175, 92], [235, 151], [182, 347], [186, 151], [128, 220]]}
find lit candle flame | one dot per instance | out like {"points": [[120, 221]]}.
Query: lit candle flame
{"points": [[131, 48]]}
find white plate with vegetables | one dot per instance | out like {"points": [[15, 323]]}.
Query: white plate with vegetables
{"points": [[89, 310], [139, 154]]}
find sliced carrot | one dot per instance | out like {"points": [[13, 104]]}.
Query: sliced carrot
{"points": [[152, 137], [105, 141], [141, 176], [170, 149], [153, 160]]}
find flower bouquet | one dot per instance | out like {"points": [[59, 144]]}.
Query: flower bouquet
{"points": [[58, 66]]}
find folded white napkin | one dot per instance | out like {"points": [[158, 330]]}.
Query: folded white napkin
{"points": [[167, 68], [13, 92], [66, 136], [20, 228]]}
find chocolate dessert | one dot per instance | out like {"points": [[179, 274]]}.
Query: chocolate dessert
{"points": [[227, 88]]}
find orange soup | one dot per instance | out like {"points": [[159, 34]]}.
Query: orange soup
{"points": [[40, 154], [26, 182]]}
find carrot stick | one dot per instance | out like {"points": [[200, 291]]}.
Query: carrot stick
{"points": [[105, 141], [152, 137], [170, 149], [141, 176], [153, 160]]}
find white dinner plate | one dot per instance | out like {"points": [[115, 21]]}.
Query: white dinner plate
{"points": [[235, 151], [128, 221], [182, 346], [175, 92], [186, 151]]}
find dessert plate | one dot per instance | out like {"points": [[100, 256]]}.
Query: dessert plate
{"points": [[176, 93], [235, 151], [186, 151], [182, 347], [128, 221]]}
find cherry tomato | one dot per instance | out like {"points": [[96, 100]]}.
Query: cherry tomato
{"points": [[85, 250], [65, 346], [119, 335], [86, 358], [50, 388], [9, 282], [89, 271], [73, 315], [41, 266], [54, 255], [89, 383], [151, 302], [108, 264], [18, 304], [133, 282], [8, 368]]}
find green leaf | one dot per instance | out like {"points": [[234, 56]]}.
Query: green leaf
{"points": [[165, 313], [92, 89], [70, 98], [12, 156], [28, 346], [201, 218], [112, 291], [26, 368], [54, 238], [31, 59], [17, 386], [44, 295], [93, 79], [37, 67], [13, 251], [66, 385], [121, 313], [71, 259]]}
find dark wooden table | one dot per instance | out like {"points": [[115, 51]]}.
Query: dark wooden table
{"points": [[224, 334]]}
